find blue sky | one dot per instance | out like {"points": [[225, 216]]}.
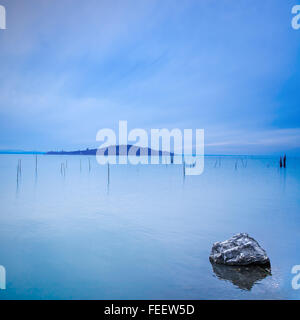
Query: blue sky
{"points": [[69, 68]]}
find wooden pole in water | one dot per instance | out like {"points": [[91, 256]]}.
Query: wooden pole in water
{"points": [[20, 167], [242, 162], [35, 164], [18, 171], [108, 173], [284, 161], [62, 169], [216, 163], [280, 162]]}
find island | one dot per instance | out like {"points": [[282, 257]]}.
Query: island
{"points": [[115, 150]]}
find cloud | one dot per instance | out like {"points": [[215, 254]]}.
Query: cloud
{"points": [[69, 70], [255, 142]]}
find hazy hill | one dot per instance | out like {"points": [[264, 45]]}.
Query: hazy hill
{"points": [[113, 150]]}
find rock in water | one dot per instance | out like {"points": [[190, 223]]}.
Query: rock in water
{"points": [[240, 250]]}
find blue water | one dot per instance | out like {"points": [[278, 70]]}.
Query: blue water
{"points": [[147, 232]]}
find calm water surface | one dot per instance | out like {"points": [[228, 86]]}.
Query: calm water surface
{"points": [[146, 232]]}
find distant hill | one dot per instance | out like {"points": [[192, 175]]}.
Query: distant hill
{"points": [[114, 150], [20, 152]]}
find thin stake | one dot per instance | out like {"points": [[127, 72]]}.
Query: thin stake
{"points": [[108, 178], [18, 171], [36, 164], [20, 167], [108, 173]]}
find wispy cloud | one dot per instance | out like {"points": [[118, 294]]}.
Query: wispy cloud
{"points": [[68, 70]]}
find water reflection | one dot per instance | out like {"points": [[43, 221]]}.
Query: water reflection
{"points": [[244, 277]]}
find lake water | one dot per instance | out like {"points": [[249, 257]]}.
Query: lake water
{"points": [[148, 231]]}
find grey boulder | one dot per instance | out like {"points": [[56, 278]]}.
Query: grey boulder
{"points": [[240, 250]]}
